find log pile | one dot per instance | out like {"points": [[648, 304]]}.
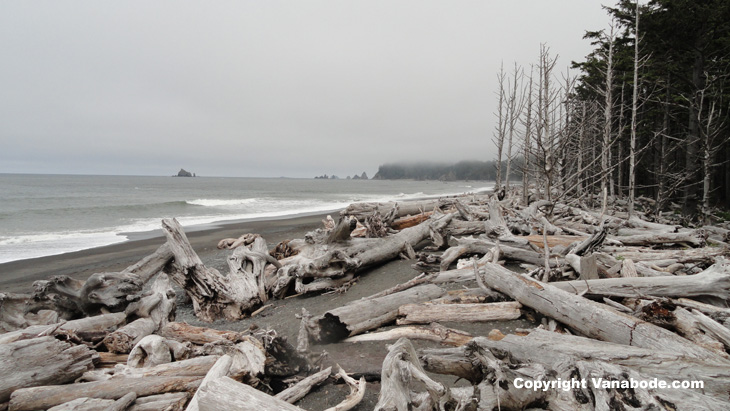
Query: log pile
{"points": [[615, 301]]}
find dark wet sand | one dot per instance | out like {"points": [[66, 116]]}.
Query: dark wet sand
{"points": [[18, 276]]}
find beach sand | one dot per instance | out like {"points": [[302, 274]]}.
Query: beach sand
{"points": [[279, 315]]}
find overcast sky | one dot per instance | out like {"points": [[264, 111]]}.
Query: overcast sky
{"points": [[264, 88]]}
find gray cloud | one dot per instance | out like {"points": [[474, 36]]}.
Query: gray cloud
{"points": [[263, 88]]}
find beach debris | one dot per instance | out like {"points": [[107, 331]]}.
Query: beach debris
{"points": [[619, 299]]}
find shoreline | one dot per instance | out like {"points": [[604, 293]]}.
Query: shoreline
{"points": [[18, 276]]}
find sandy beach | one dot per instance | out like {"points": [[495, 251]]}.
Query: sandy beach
{"points": [[364, 358], [18, 276]]}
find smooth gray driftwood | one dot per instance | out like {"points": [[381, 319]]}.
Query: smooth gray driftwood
{"points": [[370, 313], [227, 394], [45, 397], [589, 318], [714, 281], [41, 361]]}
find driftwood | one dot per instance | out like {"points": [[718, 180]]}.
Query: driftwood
{"points": [[90, 329], [370, 313], [357, 392], [101, 292], [221, 368], [213, 294], [24, 363], [49, 396], [426, 313], [693, 239], [400, 367], [715, 281], [226, 394], [299, 390], [591, 319], [435, 332]]}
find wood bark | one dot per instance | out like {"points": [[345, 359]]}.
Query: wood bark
{"points": [[44, 397], [25, 363]]}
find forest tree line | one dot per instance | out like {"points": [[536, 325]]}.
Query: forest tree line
{"points": [[641, 118], [463, 170]]}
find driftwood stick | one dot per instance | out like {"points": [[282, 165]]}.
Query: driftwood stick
{"points": [[357, 392], [435, 332], [299, 390]]}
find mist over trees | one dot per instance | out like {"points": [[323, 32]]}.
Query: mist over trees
{"points": [[463, 170]]}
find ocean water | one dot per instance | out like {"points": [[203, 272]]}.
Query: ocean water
{"points": [[44, 215]]}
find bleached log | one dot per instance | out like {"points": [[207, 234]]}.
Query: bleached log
{"points": [[171, 401], [435, 332], [214, 295], [45, 397], [427, 313], [686, 325], [370, 313], [357, 392], [226, 394], [84, 404], [198, 335], [400, 367], [404, 208], [85, 328], [221, 368], [317, 261], [560, 353], [299, 390], [589, 318], [192, 367], [101, 292], [712, 328], [715, 281], [694, 239], [25, 363]]}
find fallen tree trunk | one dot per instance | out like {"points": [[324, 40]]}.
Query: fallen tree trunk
{"points": [[45, 397], [226, 394], [370, 313], [715, 281], [25, 363], [426, 313], [589, 318], [693, 239], [91, 329]]}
